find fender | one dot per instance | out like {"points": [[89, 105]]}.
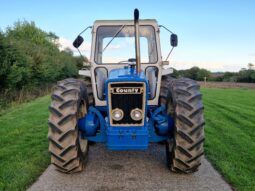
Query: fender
{"points": [[86, 73]]}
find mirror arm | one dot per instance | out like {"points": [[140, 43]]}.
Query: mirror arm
{"points": [[169, 53], [166, 28], [84, 30]]}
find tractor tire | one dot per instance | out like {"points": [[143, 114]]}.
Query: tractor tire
{"points": [[70, 101], [184, 103], [90, 99], [87, 82]]}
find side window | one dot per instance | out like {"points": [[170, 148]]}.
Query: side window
{"points": [[144, 50], [100, 77], [152, 76]]}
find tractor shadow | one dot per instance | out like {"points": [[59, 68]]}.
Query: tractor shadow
{"points": [[122, 160]]}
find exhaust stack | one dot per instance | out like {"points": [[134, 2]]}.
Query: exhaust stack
{"points": [[137, 41]]}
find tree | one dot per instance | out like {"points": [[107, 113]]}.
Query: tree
{"points": [[30, 57], [202, 73], [194, 73], [250, 66], [229, 77]]}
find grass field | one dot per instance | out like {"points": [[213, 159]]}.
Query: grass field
{"points": [[23, 144], [230, 134], [230, 139]]}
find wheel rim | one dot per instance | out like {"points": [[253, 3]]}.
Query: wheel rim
{"points": [[83, 144], [82, 110]]}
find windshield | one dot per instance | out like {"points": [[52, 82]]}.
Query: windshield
{"points": [[116, 44]]}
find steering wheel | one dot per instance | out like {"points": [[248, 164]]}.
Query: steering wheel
{"points": [[130, 61]]}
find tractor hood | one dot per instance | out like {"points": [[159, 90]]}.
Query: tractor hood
{"points": [[126, 74]]}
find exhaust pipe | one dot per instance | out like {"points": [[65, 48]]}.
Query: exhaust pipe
{"points": [[137, 41]]}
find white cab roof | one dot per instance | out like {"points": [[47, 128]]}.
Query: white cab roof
{"points": [[125, 22]]}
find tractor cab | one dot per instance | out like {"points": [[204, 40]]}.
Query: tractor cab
{"points": [[113, 48]]}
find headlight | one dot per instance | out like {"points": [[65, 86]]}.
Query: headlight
{"points": [[117, 114], [136, 114]]}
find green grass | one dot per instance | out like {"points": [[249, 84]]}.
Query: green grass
{"points": [[230, 139], [230, 134], [23, 144]]}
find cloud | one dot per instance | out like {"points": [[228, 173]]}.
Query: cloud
{"points": [[107, 59], [113, 47], [201, 64], [176, 63], [252, 54], [66, 43], [213, 66], [84, 48]]}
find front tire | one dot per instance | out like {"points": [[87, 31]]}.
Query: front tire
{"points": [[184, 104], [69, 152]]}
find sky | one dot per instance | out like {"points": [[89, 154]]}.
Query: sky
{"points": [[218, 35]]}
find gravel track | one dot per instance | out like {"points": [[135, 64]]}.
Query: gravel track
{"points": [[130, 170]]}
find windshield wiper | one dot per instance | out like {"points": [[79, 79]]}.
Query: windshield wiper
{"points": [[114, 37]]}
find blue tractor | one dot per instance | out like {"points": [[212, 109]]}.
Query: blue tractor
{"points": [[126, 100]]}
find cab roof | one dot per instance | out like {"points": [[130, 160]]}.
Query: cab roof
{"points": [[125, 22]]}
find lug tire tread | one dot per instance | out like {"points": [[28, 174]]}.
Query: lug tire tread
{"points": [[63, 134], [187, 149]]}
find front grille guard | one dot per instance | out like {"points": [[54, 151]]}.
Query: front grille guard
{"points": [[127, 102]]}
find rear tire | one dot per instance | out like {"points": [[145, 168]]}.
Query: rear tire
{"points": [[90, 97], [184, 104], [70, 101]]}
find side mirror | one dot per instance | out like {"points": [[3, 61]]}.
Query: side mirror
{"points": [[174, 40], [78, 41]]}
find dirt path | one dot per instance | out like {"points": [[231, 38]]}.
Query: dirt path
{"points": [[130, 170], [227, 85]]}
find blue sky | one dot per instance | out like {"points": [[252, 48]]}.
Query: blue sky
{"points": [[217, 35]]}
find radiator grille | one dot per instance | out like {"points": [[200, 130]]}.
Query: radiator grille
{"points": [[127, 96]]}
